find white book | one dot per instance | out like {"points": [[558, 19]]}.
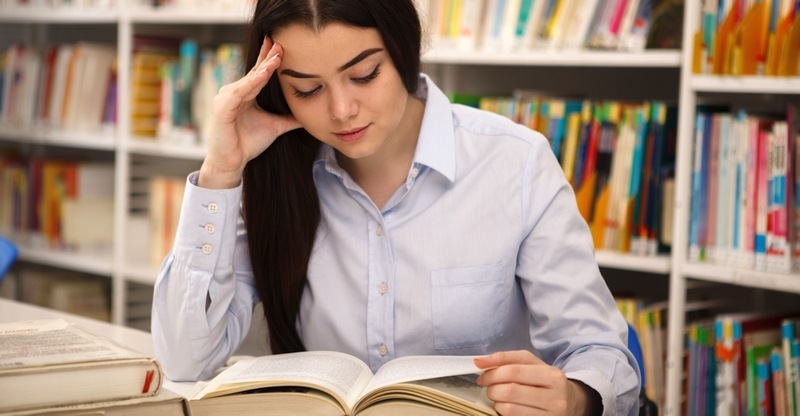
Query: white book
{"points": [[579, 24], [493, 21], [631, 7], [778, 250], [49, 363], [508, 26], [724, 192], [561, 22], [530, 34], [30, 65], [61, 67], [470, 25]]}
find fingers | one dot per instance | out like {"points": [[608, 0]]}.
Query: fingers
{"points": [[262, 71], [239, 95], [506, 357], [266, 45]]}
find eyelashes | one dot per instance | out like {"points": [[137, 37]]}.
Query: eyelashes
{"points": [[360, 81]]}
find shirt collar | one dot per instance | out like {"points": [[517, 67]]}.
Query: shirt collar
{"points": [[436, 143]]}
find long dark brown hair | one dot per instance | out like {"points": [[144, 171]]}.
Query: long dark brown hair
{"points": [[280, 202]]}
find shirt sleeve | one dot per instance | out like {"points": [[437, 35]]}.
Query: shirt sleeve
{"points": [[204, 294], [575, 323]]}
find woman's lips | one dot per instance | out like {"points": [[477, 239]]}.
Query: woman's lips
{"points": [[352, 135]]}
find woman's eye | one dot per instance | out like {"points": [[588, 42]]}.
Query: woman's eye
{"points": [[305, 94], [368, 78]]}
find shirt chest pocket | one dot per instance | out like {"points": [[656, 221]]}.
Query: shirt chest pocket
{"points": [[468, 305]]}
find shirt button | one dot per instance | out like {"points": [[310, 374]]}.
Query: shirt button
{"points": [[206, 248], [383, 288], [379, 231], [209, 228], [414, 172], [213, 208], [383, 350]]}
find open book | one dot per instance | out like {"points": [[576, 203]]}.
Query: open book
{"points": [[48, 363], [332, 383]]}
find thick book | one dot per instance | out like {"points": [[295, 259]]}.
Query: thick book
{"points": [[165, 403], [46, 363], [333, 383]]}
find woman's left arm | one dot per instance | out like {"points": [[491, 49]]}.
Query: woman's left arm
{"points": [[578, 334]]}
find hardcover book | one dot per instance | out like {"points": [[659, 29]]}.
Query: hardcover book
{"points": [[333, 383], [46, 363]]}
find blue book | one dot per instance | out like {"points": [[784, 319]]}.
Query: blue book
{"points": [[696, 216]]}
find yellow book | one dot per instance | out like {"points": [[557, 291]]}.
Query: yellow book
{"points": [[585, 196], [598, 225], [754, 30], [722, 41], [774, 54], [790, 50], [698, 55], [571, 145]]}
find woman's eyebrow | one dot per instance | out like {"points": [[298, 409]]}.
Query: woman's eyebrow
{"points": [[358, 58]]}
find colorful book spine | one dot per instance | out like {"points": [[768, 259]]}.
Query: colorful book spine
{"points": [[762, 190]]}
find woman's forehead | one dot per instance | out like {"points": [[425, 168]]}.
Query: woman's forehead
{"points": [[328, 47]]}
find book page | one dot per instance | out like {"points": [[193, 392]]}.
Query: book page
{"points": [[56, 341], [340, 375], [447, 395], [415, 368]]}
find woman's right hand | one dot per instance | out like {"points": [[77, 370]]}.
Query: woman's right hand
{"points": [[240, 130]]}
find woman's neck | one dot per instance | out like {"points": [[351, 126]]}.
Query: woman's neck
{"points": [[380, 175]]}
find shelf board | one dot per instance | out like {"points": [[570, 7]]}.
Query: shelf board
{"points": [[784, 282], [583, 58], [54, 137], [96, 263], [34, 14], [184, 16], [155, 147], [749, 84], [649, 264], [141, 273]]}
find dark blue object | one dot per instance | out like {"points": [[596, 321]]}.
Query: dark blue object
{"points": [[8, 253]]}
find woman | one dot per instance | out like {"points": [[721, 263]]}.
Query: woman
{"points": [[379, 220]]}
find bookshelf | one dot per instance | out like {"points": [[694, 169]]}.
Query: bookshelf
{"points": [[656, 74]]}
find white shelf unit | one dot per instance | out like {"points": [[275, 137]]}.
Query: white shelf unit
{"points": [[452, 70], [685, 274]]}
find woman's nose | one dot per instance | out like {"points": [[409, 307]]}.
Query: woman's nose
{"points": [[342, 106]]}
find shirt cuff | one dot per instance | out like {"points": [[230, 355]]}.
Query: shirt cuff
{"points": [[207, 219]]}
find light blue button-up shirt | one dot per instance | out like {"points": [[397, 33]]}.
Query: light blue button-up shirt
{"points": [[482, 250]]}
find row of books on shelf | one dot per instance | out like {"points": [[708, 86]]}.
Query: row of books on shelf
{"points": [[650, 326], [73, 87], [67, 87], [740, 37], [62, 290], [69, 204], [743, 364], [618, 156], [745, 182], [173, 84], [523, 25]]}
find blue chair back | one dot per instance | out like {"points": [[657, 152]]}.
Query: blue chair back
{"points": [[8, 254], [636, 349]]}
